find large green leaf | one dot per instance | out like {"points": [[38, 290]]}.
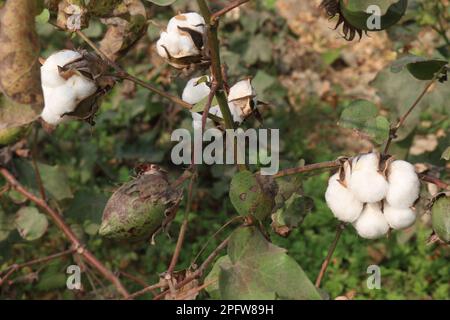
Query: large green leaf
{"points": [[54, 179], [252, 194], [362, 115], [398, 91], [420, 67], [257, 269], [30, 223], [355, 13]]}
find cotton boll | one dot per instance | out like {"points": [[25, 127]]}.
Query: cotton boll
{"points": [[191, 20], [49, 71], [242, 89], [236, 112], [399, 218], [372, 223], [178, 46], [404, 184], [81, 86], [60, 100], [195, 92], [368, 186], [197, 122], [341, 201], [369, 161]]}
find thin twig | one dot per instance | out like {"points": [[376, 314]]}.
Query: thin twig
{"points": [[16, 267], [133, 278], [430, 179], [306, 168], [183, 229], [208, 104], [199, 272], [401, 121], [61, 224], [146, 290], [228, 8], [339, 231]]}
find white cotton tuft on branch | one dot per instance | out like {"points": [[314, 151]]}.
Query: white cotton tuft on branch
{"points": [[371, 224], [404, 184], [399, 218], [341, 201]]}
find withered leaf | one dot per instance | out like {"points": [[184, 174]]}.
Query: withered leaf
{"points": [[19, 52]]}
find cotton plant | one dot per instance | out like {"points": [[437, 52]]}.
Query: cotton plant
{"points": [[374, 200]]}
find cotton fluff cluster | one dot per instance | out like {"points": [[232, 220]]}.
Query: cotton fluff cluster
{"points": [[240, 100], [181, 44], [362, 195], [61, 95]]}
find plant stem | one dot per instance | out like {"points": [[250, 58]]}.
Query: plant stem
{"points": [[393, 131], [439, 183], [16, 267], [340, 229], [183, 229], [306, 168], [221, 12], [61, 224]]}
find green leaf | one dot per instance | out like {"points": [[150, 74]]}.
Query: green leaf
{"points": [[446, 154], [252, 195], [354, 12], [259, 49], [162, 3], [256, 269], [398, 98], [378, 129], [361, 115], [43, 17], [54, 179], [440, 218], [213, 277], [6, 225], [421, 68], [30, 223], [292, 214]]}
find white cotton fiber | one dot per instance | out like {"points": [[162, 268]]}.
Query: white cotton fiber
{"points": [[195, 92], [372, 223], [191, 20], [366, 182], [242, 89], [60, 100], [404, 184], [49, 71], [399, 218], [341, 201]]}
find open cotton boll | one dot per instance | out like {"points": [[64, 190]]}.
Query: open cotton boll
{"points": [[404, 184], [399, 218], [372, 223], [81, 86], [177, 45], [191, 20], [49, 71], [236, 112], [369, 161], [368, 186], [60, 100], [341, 201], [195, 92], [242, 89]]}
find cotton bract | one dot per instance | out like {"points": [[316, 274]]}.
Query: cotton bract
{"points": [[371, 224], [62, 96], [341, 201], [404, 184]]}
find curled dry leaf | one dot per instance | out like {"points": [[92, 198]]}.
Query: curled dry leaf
{"points": [[19, 51]]}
